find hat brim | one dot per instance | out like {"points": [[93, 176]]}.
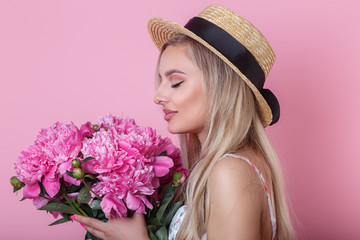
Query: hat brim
{"points": [[161, 30]]}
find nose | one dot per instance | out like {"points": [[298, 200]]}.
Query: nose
{"points": [[160, 96]]}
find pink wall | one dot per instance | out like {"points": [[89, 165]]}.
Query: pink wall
{"points": [[77, 60]]}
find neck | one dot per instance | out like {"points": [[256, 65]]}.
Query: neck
{"points": [[201, 137]]}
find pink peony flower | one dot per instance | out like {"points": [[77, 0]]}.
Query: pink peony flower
{"points": [[60, 141], [30, 167], [127, 161], [48, 160]]}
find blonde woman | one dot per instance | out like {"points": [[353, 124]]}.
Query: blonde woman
{"points": [[210, 78]]}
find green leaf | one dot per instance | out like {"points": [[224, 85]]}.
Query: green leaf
{"points": [[73, 188], [162, 233], [152, 236], [170, 212], [42, 188], [23, 199], [164, 153], [95, 205], [84, 195], [58, 207], [152, 212], [155, 221], [90, 176], [168, 194], [159, 214], [168, 191], [87, 210], [101, 216], [151, 228], [71, 174], [67, 216], [87, 159], [61, 220], [90, 236]]}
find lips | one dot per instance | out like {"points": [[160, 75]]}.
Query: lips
{"points": [[168, 114]]}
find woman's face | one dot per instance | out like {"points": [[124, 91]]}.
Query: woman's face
{"points": [[180, 92]]}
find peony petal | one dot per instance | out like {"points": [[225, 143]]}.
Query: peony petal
{"points": [[121, 209], [90, 166], [184, 172], [31, 191], [132, 202], [141, 209], [71, 180], [86, 130], [55, 214], [66, 166], [107, 204], [162, 165], [51, 185], [73, 195], [147, 203], [39, 202], [111, 204]]}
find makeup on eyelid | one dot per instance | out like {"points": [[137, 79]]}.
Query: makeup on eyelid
{"points": [[175, 85]]}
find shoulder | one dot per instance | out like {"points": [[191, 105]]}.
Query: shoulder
{"points": [[234, 172], [236, 198]]}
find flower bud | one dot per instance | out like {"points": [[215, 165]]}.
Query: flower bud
{"points": [[95, 127], [16, 183], [76, 163], [176, 178], [78, 173], [184, 172]]}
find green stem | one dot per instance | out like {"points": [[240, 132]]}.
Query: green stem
{"points": [[45, 198], [69, 202], [87, 186], [80, 209]]}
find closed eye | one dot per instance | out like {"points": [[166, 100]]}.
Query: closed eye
{"points": [[176, 84]]}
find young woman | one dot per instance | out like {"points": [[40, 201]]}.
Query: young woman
{"points": [[210, 78]]}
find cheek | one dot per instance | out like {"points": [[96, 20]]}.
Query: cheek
{"points": [[191, 102]]}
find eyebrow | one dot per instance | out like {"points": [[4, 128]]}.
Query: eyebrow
{"points": [[168, 73]]}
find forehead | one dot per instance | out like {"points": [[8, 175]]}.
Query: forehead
{"points": [[175, 55]]}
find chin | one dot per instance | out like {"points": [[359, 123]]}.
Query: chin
{"points": [[175, 130]]}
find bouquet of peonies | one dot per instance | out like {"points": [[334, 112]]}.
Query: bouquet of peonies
{"points": [[110, 169]]}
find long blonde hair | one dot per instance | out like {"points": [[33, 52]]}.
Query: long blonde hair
{"points": [[233, 106]]}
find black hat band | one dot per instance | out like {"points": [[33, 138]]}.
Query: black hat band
{"points": [[231, 48], [237, 54]]}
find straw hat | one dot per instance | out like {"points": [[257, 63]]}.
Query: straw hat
{"points": [[234, 40]]}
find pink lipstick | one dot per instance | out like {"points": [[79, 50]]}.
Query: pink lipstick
{"points": [[168, 114]]}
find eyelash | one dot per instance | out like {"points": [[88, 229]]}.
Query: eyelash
{"points": [[176, 84]]}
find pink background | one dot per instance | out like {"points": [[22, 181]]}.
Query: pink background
{"points": [[77, 60]]}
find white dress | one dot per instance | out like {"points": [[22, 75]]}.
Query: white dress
{"points": [[180, 214], [176, 223]]}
